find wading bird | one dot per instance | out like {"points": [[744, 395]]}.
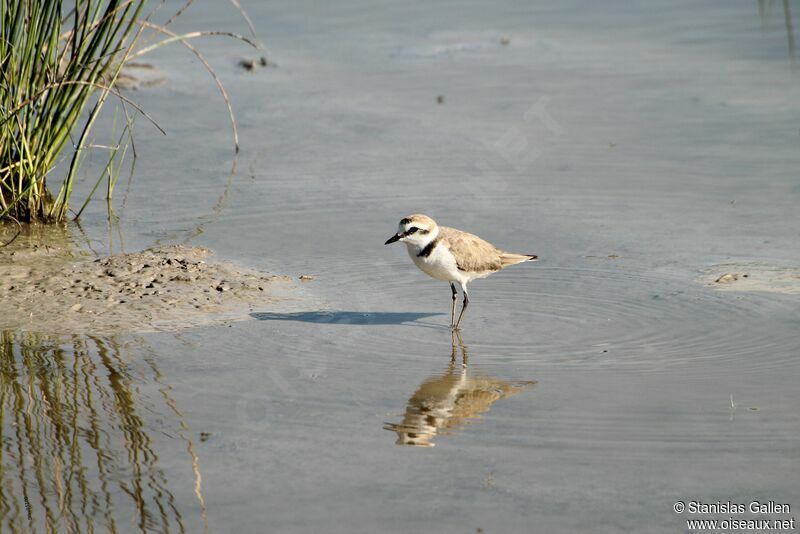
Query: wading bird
{"points": [[452, 255]]}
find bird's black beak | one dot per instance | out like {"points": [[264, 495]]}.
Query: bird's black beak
{"points": [[392, 239]]}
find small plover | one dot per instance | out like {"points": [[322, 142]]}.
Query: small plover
{"points": [[452, 255]]}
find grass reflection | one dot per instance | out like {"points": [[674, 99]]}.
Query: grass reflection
{"points": [[764, 13], [76, 452]]}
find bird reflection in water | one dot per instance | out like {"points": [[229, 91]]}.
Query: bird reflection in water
{"points": [[445, 403]]}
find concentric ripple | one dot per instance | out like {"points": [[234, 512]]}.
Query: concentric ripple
{"points": [[608, 318]]}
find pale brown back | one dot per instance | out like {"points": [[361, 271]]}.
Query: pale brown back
{"points": [[471, 252]]}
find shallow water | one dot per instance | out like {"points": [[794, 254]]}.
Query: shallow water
{"points": [[631, 148]]}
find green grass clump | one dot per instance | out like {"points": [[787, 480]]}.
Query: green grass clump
{"points": [[53, 59], [59, 63]]}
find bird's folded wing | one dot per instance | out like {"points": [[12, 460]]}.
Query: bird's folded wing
{"points": [[471, 252]]}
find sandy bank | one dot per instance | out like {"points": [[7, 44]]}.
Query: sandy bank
{"points": [[49, 287]]}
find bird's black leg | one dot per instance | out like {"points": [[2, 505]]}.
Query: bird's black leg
{"points": [[463, 306], [453, 310]]}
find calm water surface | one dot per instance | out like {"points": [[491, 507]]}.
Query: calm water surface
{"points": [[630, 147]]}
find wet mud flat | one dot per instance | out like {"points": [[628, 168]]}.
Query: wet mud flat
{"points": [[753, 277], [52, 287]]}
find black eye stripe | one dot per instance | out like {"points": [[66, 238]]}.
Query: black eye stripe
{"points": [[414, 230]]}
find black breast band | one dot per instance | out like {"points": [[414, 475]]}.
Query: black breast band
{"points": [[425, 252]]}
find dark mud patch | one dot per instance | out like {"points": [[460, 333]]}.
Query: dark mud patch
{"points": [[51, 289], [135, 76], [252, 65]]}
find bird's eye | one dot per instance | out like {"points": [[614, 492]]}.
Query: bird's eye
{"points": [[412, 230]]}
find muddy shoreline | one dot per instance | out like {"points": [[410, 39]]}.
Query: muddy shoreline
{"points": [[49, 286]]}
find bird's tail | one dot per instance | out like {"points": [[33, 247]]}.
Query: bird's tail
{"points": [[508, 258]]}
